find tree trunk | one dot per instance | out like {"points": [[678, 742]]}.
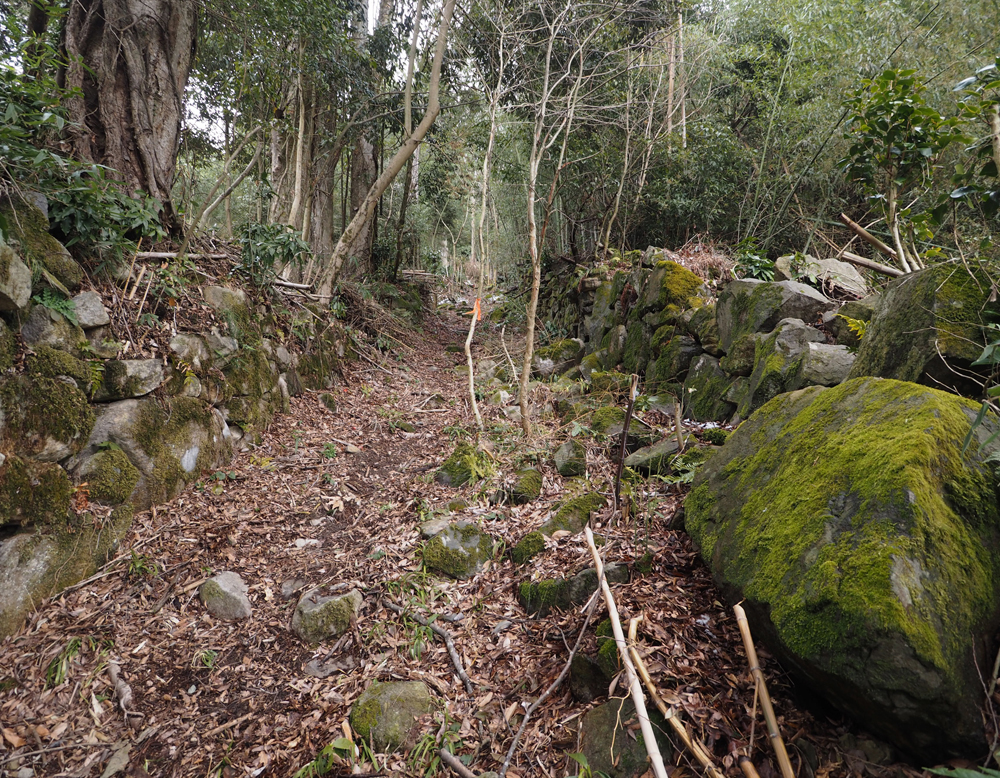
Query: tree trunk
{"points": [[129, 62]]}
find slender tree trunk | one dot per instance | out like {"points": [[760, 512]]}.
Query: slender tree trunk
{"points": [[128, 64]]}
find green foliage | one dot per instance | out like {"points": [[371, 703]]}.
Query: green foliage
{"points": [[980, 181], [750, 263], [858, 326], [266, 248], [58, 302], [964, 772], [330, 451], [141, 566], [424, 758], [58, 668]]}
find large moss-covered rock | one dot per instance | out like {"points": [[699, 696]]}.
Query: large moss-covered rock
{"points": [[538, 598], [705, 391], [385, 713], [571, 458], [668, 284], [929, 325], [672, 365], [527, 486], [603, 316], [750, 306], [867, 550], [33, 493], [612, 743], [125, 378], [29, 230], [317, 618], [573, 514], [557, 358], [858, 310], [44, 418], [705, 327], [15, 280], [778, 358], [46, 327], [458, 551]]}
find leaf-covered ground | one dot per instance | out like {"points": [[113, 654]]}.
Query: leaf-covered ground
{"points": [[214, 698]]}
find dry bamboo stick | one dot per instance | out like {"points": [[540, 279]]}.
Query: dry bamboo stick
{"points": [[765, 697], [174, 254], [885, 270], [866, 236], [652, 748], [670, 714], [747, 767]]}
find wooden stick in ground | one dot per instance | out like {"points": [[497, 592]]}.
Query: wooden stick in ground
{"points": [[635, 687], [632, 393], [445, 636], [765, 698], [866, 236], [670, 714], [452, 761], [747, 767]]}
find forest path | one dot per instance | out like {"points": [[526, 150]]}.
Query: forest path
{"points": [[219, 698]]}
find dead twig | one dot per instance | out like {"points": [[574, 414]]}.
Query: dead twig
{"points": [[453, 762], [445, 636]]}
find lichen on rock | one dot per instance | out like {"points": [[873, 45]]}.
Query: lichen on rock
{"points": [[385, 713], [466, 464], [459, 551]]}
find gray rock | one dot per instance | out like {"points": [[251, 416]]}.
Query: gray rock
{"points": [[612, 743], [587, 681], [128, 378], [825, 365], [827, 272], [317, 618], [192, 349], [655, 459], [778, 362], [222, 298], [750, 306], [15, 280], [540, 597], [291, 587], [557, 358], [615, 340], [90, 311], [221, 345], [459, 551], [385, 714], [818, 514], [103, 343], [225, 597], [284, 357], [705, 390], [571, 458], [46, 327], [434, 526]]}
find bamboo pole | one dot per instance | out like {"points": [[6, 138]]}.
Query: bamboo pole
{"points": [[765, 698], [885, 270], [635, 687], [669, 713], [866, 236]]}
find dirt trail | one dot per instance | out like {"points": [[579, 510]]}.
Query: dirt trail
{"points": [[216, 698]]}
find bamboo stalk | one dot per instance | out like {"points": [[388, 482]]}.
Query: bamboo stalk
{"points": [[747, 767], [765, 698], [669, 713], [866, 236], [885, 270], [652, 747]]}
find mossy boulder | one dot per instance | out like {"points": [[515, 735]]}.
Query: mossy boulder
{"points": [[527, 486], [750, 306], [538, 598], [573, 514], [44, 418], [571, 458], [778, 359], [49, 362], [33, 493], [15, 280], [318, 618], [929, 325], [558, 357], [46, 327], [739, 360], [866, 547], [29, 231], [859, 310], [111, 475], [531, 545], [225, 597], [705, 390], [612, 743], [705, 328], [125, 378], [385, 714], [668, 284], [674, 360], [604, 314], [610, 382], [610, 421], [655, 459], [459, 551], [465, 465], [635, 355]]}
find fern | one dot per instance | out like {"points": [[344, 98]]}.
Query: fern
{"points": [[55, 301], [857, 326]]}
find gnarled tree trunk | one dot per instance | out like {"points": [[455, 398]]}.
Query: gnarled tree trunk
{"points": [[129, 61]]}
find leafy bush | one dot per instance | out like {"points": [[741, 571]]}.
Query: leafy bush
{"points": [[750, 264], [266, 248]]}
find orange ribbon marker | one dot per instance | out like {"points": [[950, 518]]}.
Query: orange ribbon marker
{"points": [[476, 311]]}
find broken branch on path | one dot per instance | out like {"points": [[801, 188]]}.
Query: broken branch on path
{"points": [[670, 714], [442, 633], [453, 762], [635, 687], [765, 697]]}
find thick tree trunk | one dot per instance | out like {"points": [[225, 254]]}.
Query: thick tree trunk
{"points": [[129, 62]]}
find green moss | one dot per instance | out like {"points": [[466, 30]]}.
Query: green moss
{"points": [[610, 382], [33, 493], [565, 350], [30, 229], [605, 418], [51, 362], [636, 353], [540, 597], [466, 464], [38, 409], [8, 344], [366, 712], [528, 547], [604, 629], [705, 390], [887, 485], [331, 619], [573, 514], [459, 551], [678, 285], [644, 564], [716, 436], [750, 309], [527, 486], [112, 477], [607, 657]]}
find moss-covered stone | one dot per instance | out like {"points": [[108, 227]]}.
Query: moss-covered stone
{"points": [[611, 741], [531, 545], [539, 598], [30, 231], [636, 353], [716, 436], [466, 464], [608, 658], [865, 545], [669, 284], [587, 681], [739, 360], [705, 328], [458, 551], [558, 357], [44, 418], [610, 383], [385, 713], [674, 361], [705, 390], [929, 328], [604, 418], [527, 486], [111, 477], [51, 362], [320, 618], [8, 347], [33, 493], [573, 514]]}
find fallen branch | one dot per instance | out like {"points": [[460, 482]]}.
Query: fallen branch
{"points": [[632, 393], [529, 711], [635, 687], [669, 713], [228, 725], [174, 255], [885, 270], [442, 633], [765, 697], [513, 370], [287, 284], [453, 762], [866, 236]]}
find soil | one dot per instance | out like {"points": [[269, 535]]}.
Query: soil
{"points": [[299, 511]]}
